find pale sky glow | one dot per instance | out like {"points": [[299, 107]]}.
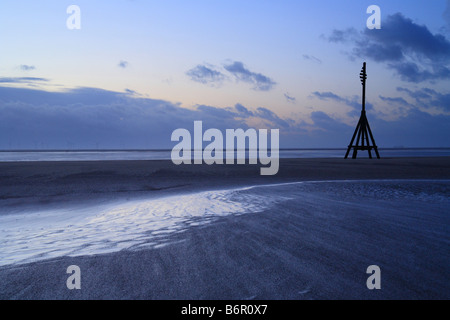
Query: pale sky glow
{"points": [[299, 60]]}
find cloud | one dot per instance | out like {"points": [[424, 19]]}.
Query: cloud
{"points": [[221, 113], [328, 95], [353, 102], [132, 93], [21, 79], [260, 81], [205, 75], [87, 118], [416, 129], [90, 118], [243, 111], [312, 58], [324, 122], [239, 113], [446, 14], [25, 67], [417, 94], [396, 101], [208, 74], [426, 98], [289, 98], [337, 36], [123, 64], [271, 116], [409, 49]]}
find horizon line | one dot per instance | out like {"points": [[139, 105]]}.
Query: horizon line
{"points": [[169, 150]]}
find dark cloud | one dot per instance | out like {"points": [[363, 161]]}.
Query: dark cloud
{"points": [[411, 72], [123, 64], [425, 98], [93, 118], [260, 81], [312, 58], [25, 67], [416, 129], [205, 75], [289, 98], [410, 38], [410, 49]]}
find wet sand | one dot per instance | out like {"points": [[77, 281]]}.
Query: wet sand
{"points": [[40, 185], [315, 249]]}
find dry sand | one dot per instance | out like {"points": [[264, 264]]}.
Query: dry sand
{"points": [[289, 253]]}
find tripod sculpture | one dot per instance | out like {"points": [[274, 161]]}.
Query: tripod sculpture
{"points": [[363, 134]]}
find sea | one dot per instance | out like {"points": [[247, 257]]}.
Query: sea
{"points": [[98, 155]]}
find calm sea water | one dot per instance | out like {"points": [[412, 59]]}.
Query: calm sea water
{"points": [[165, 154]]}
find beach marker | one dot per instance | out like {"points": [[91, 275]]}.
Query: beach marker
{"points": [[363, 128]]}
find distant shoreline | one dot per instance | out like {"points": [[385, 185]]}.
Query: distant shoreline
{"points": [[165, 154], [165, 150]]}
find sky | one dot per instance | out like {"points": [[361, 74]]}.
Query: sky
{"points": [[136, 70]]}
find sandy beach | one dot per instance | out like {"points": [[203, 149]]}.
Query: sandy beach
{"points": [[279, 239]]}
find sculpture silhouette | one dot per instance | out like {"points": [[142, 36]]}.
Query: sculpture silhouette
{"points": [[363, 134]]}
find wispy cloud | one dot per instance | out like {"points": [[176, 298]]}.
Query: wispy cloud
{"points": [[206, 75], [21, 79], [25, 67], [289, 98], [328, 95], [396, 101], [347, 35], [312, 58], [210, 75], [354, 102], [123, 64], [241, 73]]}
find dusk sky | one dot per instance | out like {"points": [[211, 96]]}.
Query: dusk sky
{"points": [[137, 70]]}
